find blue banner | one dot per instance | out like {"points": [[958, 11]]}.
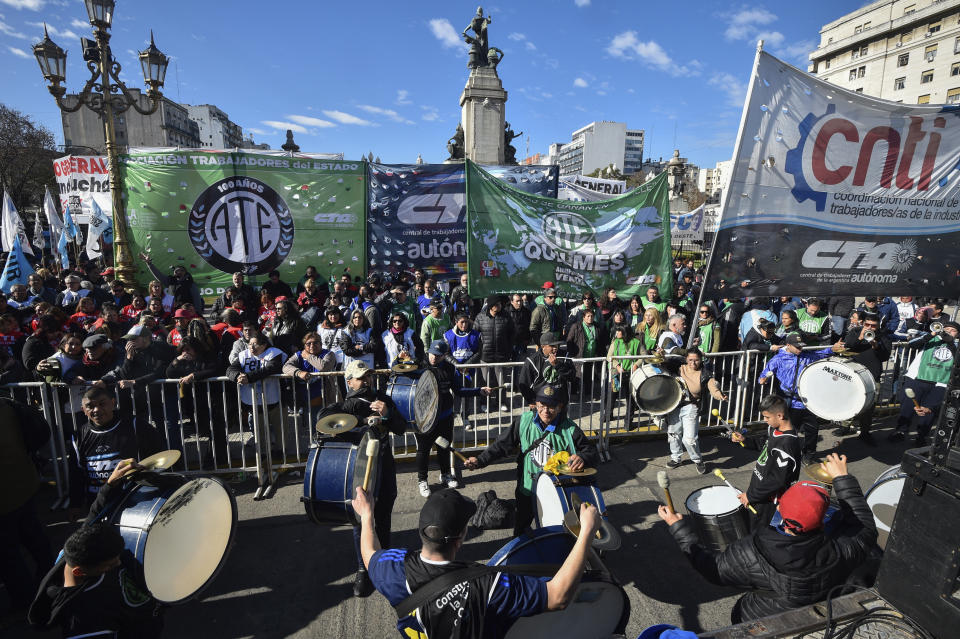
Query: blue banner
{"points": [[17, 268]]}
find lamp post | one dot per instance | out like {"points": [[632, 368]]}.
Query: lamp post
{"points": [[106, 95]]}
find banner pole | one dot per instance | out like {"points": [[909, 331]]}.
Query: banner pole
{"points": [[738, 144]]}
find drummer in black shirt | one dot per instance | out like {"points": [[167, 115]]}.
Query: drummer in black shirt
{"points": [[363, 402], [872, 354]]}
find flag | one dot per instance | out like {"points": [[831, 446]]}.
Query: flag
{"points": [[12, 226], [62, 244], [38, 232], [101, 228], [69, 226], [53, 218], [17, 268]]}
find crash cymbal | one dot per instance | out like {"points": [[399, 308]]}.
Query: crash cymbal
{"points": [[336, 423], [583, 472], [817, 473], [607, 537], [160, 461], [404, 368]]}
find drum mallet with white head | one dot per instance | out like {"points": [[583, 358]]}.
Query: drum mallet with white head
{"points": [[443, 442], [664, 482], [719, 473], [912, 395], [716, 413], [373, 447]]}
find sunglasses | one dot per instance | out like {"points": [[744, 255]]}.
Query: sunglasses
{"points": [[396, 321], [704, 311], [313, 343]]}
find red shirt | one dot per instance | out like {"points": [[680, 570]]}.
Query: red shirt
{"points": [[267, 315], [131, 313], [175, 337], [79, 319], [221, 327], [307, 301], [7, 340]]}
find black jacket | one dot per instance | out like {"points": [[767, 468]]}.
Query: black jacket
{"points": [[531, 374], [784, 572], [449, 384], [777, 467], [496, 337], [869, 354], [357, 403], [521, 324], [754, 341], [35, 349]]}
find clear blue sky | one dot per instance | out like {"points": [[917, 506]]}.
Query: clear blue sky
{"points": [[386, 76]]}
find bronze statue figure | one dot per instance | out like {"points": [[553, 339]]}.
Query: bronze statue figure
{"points": [[455, 145], [479, 44], [290, 146], [509, 151]]}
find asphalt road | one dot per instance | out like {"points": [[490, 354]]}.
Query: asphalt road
{"points": [[286, 577]]}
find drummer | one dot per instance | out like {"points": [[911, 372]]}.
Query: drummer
{"points": [[538, 434], [364, 402]]}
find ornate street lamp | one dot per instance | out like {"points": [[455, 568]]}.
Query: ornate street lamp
{"points": [[105, 94]]}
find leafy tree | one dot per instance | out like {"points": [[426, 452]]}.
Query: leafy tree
{"points": [[610, 172], [27, 151]]}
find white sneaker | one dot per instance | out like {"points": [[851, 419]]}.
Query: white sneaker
{"points": [[505, 409], [424, 488], [449, 480]]}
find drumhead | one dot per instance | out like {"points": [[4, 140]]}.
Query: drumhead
{"points": [[713, 500], [883, 499], [654, 391], [189, 539], [836, 388], [426, 399], [550, 504]]}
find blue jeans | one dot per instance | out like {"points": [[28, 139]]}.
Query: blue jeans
{"points": [[682, 429]]}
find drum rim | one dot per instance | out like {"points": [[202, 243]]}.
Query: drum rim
{"points": [[700, 514], [231, 538], [861, 375], [435, 403]]}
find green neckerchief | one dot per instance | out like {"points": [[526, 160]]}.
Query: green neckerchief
{"points": [[530, 430]]}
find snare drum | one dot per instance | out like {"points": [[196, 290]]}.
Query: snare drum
{"points": [[552, 499], [599, 608], [883, 499], [334, 469], [836, 388], [719, 517], [416, 396], [180, 532], [655, 391]]}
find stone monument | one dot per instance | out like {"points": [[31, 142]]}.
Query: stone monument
{"points": [[483, 99], [677, 179]]}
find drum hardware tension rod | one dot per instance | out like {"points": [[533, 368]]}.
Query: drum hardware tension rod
{"points": [[719, 473], [373, 447], [664, 482], [716, 413], [443, 442]]}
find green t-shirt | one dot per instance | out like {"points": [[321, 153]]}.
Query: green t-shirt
{"points": [[433, 329], [619, 348], [590, 340], [560, 439], [657, 305]]}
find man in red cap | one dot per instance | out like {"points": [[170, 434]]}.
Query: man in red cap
{"points": [[792, 562]]}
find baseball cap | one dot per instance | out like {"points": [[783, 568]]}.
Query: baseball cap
{"points": [[803, 507], [445, 515], [97, 339], [356, 369], [438, 347], [182, 312], [551, 395], [548, 285], [550, 339], [107, 271], [138, 330], [795, 339], [953, 325]]}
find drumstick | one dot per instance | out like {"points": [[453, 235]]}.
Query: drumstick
{"points": [[912, 395], [719, 474], [443, 442], [373, 447], [664, 482], [716, 413]]}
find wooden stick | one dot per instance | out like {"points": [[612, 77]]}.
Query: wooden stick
{"points": [[373, 447]]}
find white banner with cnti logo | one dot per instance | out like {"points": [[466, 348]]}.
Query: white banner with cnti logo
{"points": [[838, 193]]}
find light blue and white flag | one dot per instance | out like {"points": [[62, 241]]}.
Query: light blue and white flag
{"points": [[100, 231], [62, 244], [12, 226], [17, 269]]}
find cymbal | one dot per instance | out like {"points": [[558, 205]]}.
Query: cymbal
{"points": [[583, 472], [160, 461], [817, 473], [607, 537], [336, 423], [404, 368]]}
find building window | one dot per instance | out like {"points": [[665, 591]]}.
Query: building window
{"points": [[955, 69], [956, 45], [953, 96], [933, 27], [899, 83], [906, 36], [853, 74], [903, 59], [930, 52], [826, 64], [858, 29], [858, 53], [866, 25], [861, 71], [926, 76], [924, 99], [909, 9]]}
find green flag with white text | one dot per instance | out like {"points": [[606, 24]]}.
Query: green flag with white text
{"points": [[517, 241]]}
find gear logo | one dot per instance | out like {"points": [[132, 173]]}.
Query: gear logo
{"points": [[241, 224], [904, 256], [801, 190]]}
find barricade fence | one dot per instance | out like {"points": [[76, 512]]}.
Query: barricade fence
{"points": [[267, 426]]}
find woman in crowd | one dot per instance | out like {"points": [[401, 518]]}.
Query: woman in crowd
{"points": [[608, 304], [288, 327], [310, 303], [84, 314], [63, 366], [202, 404], [156, 293], [708, 330], [316, 391], [788, 323], [400, 341], [619, 316], [635, 311], [649, 330], [587, 338], [131, 312], [359, 340], [331, 331], [267, 312], [623, 346]]}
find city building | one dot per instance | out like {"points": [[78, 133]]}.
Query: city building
{"points": [[248, 143], [216, 129], [553, 153], [901, 50], [536, 158], [712, 182], [598, 145]]}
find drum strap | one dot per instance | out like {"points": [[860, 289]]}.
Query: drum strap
{"points": [[537, 441], [438, 585]]}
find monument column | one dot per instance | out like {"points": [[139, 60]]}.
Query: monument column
{"points": [[483, 104]]}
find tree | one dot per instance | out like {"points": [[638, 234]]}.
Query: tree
{"points": [[27, 151], [609, 172], [694, 197], [635, 179]]}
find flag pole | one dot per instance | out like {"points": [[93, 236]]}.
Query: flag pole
{"points": [[737, 146]]}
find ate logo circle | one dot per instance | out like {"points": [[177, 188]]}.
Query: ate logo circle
{"points": [[241, 224]]}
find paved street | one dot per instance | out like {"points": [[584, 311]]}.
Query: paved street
{"points": [[289, 578]]}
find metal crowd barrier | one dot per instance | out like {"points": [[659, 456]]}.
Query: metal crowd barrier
{"points": [[220, 429]]}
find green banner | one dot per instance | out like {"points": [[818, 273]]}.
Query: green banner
{"points": [[220, 212], [517, 241]]}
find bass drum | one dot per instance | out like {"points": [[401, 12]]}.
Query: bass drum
{"points": [[655, 391], [554, 496], [416, 397], [599, 608], [181, 532], [883, 498], [333, 469], [718, 516], [836, 389]]}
